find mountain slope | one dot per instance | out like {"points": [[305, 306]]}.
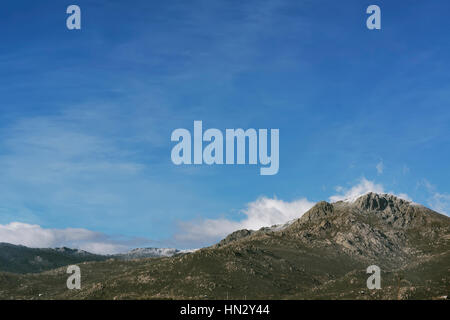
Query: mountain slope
{"points": [[323, 254]]}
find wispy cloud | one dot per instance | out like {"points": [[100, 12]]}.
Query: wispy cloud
{"points": [[405, 169], [437, 201], [49, 149], [440, 202], [380, 167], [78, 164]]}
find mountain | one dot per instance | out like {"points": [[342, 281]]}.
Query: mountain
{"points": [[20, 259], [322, 255]]}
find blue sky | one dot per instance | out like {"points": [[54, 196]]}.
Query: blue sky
{"points": [[86, 115]]}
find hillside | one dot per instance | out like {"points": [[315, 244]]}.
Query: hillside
{"points": [[322, 255]]}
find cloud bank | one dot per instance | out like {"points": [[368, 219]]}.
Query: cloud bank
{"points": [[34, 236], [261, 213]]}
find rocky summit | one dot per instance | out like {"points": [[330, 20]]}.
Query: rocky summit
{"points": [[322, 255]]}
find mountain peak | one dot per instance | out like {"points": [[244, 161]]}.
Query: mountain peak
{"points": [[376, 201], [373, 195]]}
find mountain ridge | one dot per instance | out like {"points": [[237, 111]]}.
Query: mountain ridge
{"points": [[22, 259], [323, 254]]}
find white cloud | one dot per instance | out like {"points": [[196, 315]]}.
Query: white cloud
{"points": [[263, 212], [34, 236], [364, 186], [380, 167]]}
